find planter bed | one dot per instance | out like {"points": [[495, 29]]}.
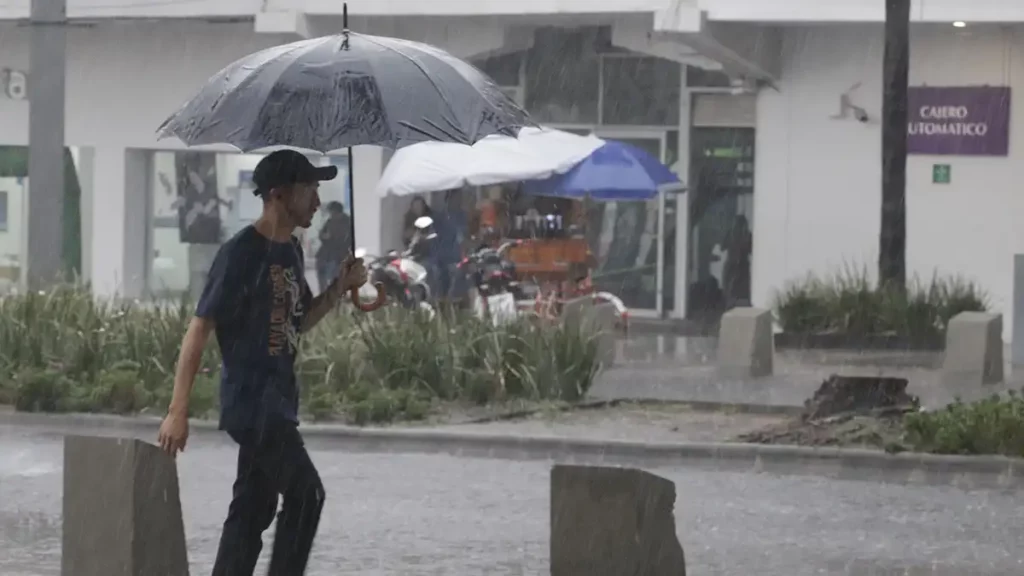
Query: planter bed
{"points": [[847, 341]]}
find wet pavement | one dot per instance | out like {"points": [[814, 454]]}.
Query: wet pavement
{"points": [[682, 369], [389, 514]]}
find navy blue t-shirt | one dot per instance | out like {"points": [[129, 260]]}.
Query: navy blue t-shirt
{"points": [[257, 295]]}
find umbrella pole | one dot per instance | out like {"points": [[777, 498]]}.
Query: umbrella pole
{"points": [[381, 296], [352, 198], [351, 166]]}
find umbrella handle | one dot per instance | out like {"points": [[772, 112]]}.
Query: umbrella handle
{"points": [[371, 306]]}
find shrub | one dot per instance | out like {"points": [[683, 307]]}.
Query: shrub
{"points": [[65, 350], [991, 426], [849, 302]]}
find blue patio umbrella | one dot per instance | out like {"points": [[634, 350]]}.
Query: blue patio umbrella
{"points": [[615, 171]]}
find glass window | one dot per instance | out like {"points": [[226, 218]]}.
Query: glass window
{"points": [[563, 76], [200, 199], [640, 92], [503, 69], [722, 173], [14, 185], [623, 238], [701, 78], [12, 193]]}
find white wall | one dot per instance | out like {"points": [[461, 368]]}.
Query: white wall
{"points": [[224, 8], [852, 11], [125, 77], [818, 180]]}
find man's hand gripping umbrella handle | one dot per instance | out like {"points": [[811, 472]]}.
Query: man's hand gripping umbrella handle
{"points": [[354, 291], [371, 306]]}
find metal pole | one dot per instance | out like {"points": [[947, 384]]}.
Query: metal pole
{"points": [[659, 275], [43, 262], [351, 164]]}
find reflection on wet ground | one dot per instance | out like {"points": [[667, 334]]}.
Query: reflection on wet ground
{"points": [[416, 514], [698, 350], [680, 368]]}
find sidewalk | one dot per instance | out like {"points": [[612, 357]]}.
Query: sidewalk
{"points": [[683, 370], [579, 447]]}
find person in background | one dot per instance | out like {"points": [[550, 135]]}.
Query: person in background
{"points": [[335, 244], [417, 208], [736, 270], [452, 232]]}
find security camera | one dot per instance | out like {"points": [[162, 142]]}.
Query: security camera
{"points": [[14, 84], [861, 115]]}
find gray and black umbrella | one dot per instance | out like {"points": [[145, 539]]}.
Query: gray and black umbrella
{"points": [[345, 90]]}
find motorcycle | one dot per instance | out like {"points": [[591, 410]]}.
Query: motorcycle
{"points": [[492, 273], [403, 274]]}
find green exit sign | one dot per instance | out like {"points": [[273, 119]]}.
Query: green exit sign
{"points": [[941, 173]]}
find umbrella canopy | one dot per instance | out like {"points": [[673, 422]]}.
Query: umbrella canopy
{"points": [[537, 153], [615, 171], [346, 90]]}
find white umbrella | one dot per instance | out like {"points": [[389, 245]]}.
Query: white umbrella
{"points": [[433, 166]]}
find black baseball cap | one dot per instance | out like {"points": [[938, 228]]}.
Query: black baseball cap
{"points": [[287, 167]]}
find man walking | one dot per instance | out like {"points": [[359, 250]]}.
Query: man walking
{"points": [[257, 302]]}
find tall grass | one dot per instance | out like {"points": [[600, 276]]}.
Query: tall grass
{"points": [[850, 302], [994, 425], [64, 350]]}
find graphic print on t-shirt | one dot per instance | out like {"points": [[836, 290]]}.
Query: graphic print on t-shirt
{"points": [[285, 312]]}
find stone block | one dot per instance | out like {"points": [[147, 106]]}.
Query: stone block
{"points": [[1017, 352], [613, 521], [576, 310], [746, 346], [122, 512], [974, 349], [604, 317]]}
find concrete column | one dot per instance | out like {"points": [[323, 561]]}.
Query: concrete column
{"points": [[46, 143], [367, 217], [1017, 349], [682, 169]]}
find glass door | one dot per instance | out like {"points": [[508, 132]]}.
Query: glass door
{"points": [[633, 242], [721, 240]]}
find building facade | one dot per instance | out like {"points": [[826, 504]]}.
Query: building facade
{"points": [[742, 98]]}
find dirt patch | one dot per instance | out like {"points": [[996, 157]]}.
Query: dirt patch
{"points": [[863, 412], [882, 431]]}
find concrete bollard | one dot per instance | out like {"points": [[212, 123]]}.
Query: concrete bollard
{"points": [[746, 345], [1017, 350], [613, 521], [604, 317], [577, 309], [122, 512], [974, 349], [601, 317]]}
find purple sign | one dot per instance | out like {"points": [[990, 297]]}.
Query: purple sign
{"points": [[959, 121]]}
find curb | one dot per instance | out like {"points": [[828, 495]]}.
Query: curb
{"points": [[966, 472]]}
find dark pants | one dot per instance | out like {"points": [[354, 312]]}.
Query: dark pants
{"points": [[271, 462]]}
